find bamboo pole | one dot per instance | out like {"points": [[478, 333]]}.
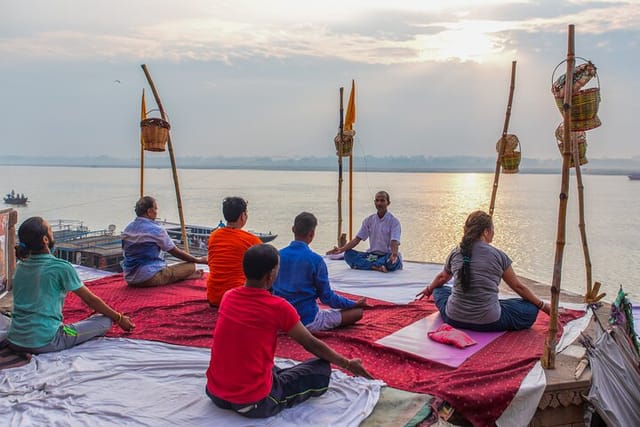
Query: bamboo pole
{"points": [[143, 115], [351, 192], [582, 224], [549, 355], [173, 160], [340, 143], [141, 171], [505, 128]]}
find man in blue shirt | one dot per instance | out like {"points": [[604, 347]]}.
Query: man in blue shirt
{"points": [[303, 278], [143, 242]]}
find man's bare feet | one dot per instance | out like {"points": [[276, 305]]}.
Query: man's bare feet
{"points": [[381, 269]]}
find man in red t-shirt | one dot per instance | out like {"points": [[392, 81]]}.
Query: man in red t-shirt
{"points": [[241, 375]]}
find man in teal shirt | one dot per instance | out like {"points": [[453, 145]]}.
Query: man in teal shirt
{"points": [[40, 285]]}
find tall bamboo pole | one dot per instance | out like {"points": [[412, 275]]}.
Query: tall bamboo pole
{"points": [[549, 355], [340, 143], [351, 190], [173, 160], [141, 170], [143, 115], [582, 224], [505, 128]]}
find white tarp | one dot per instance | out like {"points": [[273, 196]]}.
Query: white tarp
{"points": [[117, 382]]}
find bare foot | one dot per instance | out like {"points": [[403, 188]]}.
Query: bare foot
{"points": [[196, 275], [381, 269]]}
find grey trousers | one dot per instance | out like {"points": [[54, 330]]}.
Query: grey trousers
{"points": [[72, 335]]}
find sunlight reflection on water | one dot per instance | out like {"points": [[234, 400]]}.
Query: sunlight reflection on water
{"points": [[431, 206]]}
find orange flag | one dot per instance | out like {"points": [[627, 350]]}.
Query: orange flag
{"points": [[350, 117], [143, 115]]}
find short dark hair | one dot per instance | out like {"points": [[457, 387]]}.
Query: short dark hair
{"points": [[385, 194], [304, 223], [233, 207], [30, 234], [144, 204], [259, 260]]}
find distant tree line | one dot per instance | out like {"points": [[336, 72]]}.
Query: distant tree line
{"points": [[366, 163]]}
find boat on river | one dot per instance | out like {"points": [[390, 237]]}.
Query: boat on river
{"points": [[634, 176], [14, 198], [198, 235]]}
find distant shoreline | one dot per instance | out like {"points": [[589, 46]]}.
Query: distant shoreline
{"points": [[406, 164], [327, 169]]}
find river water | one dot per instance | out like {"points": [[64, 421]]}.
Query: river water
{"points": [[432, 208]]}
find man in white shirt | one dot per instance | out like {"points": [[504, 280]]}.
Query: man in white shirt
{"points": [[383, 231]]}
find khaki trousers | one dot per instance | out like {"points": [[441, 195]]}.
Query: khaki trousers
{"points": [[170, 274]]}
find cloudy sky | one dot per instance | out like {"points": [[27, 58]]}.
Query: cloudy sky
{"points": [[262, 78]]}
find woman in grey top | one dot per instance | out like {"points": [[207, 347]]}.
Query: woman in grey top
{"points": [[478, 267]]}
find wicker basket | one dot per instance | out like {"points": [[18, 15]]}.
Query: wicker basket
{"points": [[511, 162], [511, 155], [155, 134], [584, 109], [579, 138], [511, 143], [345, 149]]}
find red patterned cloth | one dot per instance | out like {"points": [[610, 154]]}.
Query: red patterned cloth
{"points": [[480, 389]]}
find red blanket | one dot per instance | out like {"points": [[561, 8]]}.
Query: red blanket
{"points": [[480, 389]]}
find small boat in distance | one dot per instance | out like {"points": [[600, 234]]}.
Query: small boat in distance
{"points": [[14, 198], [634, 176]]}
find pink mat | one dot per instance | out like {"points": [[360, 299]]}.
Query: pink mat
{"points": [[413, 339]]}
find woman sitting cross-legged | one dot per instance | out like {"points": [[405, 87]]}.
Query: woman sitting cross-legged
{"points": [[472, 302], [40, 284]]}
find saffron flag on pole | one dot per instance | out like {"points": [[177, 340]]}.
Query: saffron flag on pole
{"points": [[143, 115], [350, 117]]}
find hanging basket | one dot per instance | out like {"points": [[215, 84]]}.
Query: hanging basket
{"points": [[511, 143], [511, 156], [584, 109], [579, 138], [346, 148], [155, 134], [584, 102]]}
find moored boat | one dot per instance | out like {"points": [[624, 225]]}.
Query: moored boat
{"points": [[198, 235]]}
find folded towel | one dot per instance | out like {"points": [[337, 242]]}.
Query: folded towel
{"points": [[447, 334]]}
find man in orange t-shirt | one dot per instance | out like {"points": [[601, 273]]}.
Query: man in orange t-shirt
{"points": [[227, 246]]}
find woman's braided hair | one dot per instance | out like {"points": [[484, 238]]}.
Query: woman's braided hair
{"points": [[474, 226]]}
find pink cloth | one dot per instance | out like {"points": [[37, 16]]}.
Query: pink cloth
{"points": [[447, 334]]}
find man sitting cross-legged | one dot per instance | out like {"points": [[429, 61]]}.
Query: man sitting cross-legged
{"points": [[143, 242], [303, 278], [241, 376], [383, 231], [227, 246]]}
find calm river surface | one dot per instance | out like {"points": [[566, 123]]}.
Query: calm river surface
{"points": [[431, 207]]}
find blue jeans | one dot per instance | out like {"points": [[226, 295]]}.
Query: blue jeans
{"points": [[366, 261], [516, 314]]}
